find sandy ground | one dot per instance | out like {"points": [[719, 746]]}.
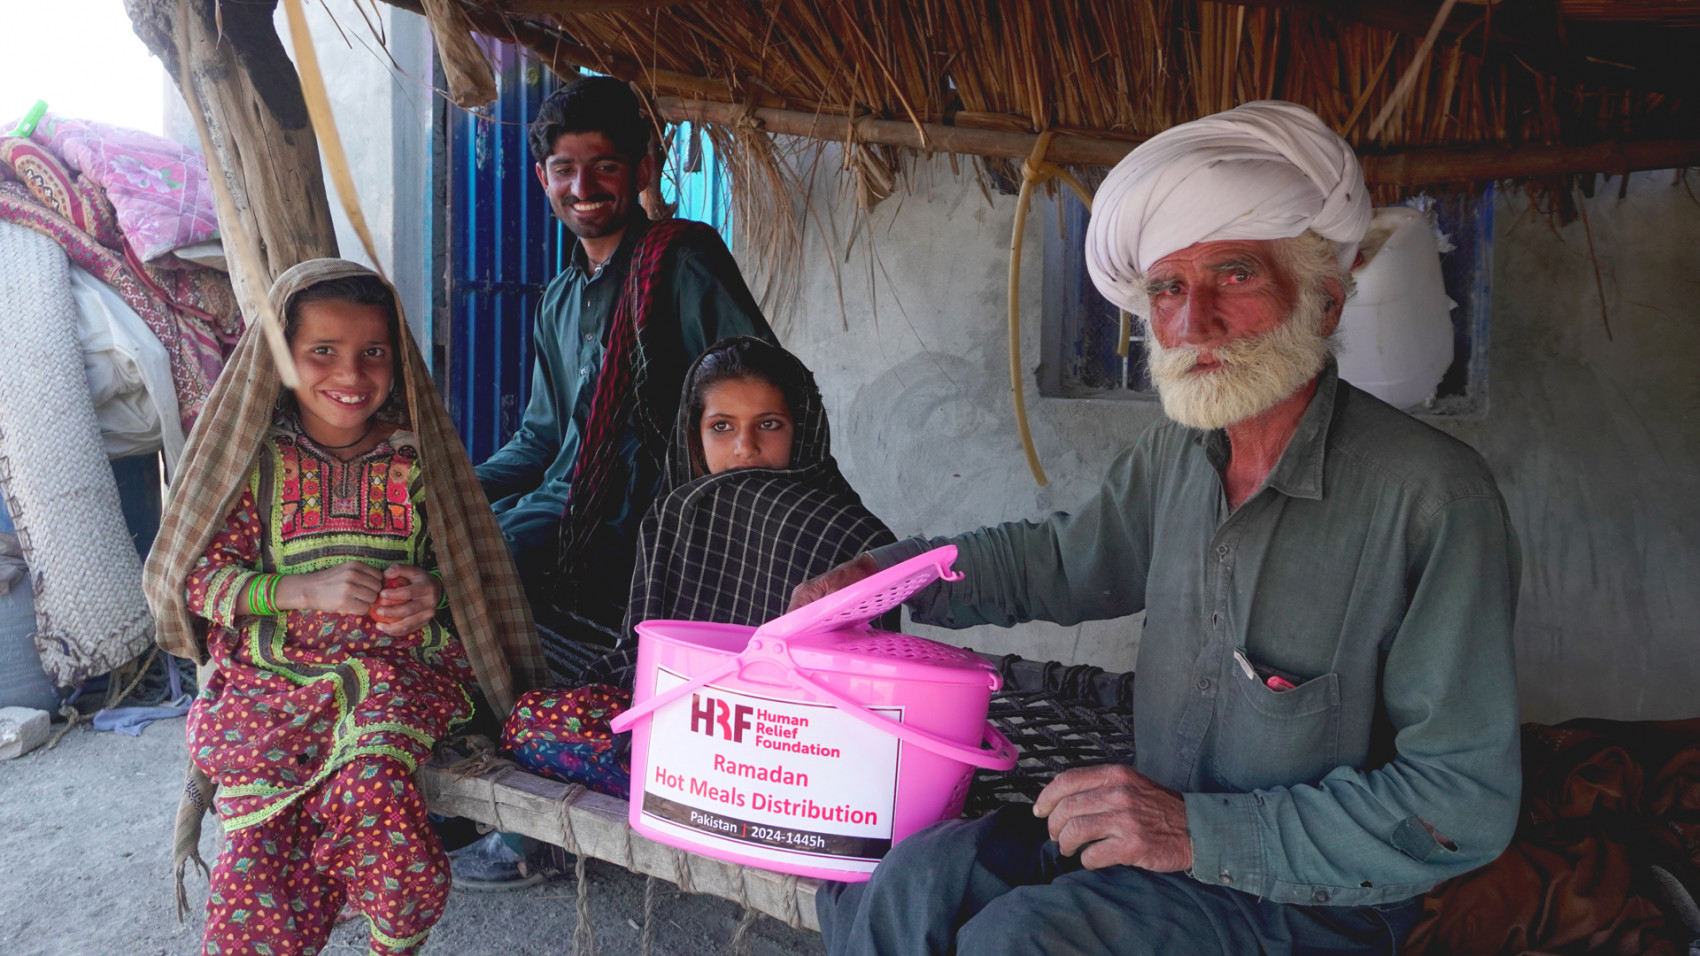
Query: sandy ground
{"points": [[85, 868]]}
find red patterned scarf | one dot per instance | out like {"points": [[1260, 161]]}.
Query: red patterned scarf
{"points": [[641, 370], [191, 310]]}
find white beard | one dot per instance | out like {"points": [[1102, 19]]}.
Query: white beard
{"points": [[1255, 374]]}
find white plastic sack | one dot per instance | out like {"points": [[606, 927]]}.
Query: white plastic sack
{"points": [[128, 372]]}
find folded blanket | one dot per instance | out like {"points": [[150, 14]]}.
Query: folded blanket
{"points": [[158, 186], [190, 310]]}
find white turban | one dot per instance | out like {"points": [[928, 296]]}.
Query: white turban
{"points": [[1265, 170]]}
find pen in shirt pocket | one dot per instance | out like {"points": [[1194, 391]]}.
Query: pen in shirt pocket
{"points": [[1274, 682]]}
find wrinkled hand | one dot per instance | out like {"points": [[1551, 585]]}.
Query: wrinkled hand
{"points": [[1119, 816], [837, 579], [348, 588], [408, 601]]}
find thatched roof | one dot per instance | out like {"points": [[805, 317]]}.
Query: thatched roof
{"points": [[1506, 73], [1429, 92]]}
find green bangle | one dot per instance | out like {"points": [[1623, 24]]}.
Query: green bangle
{"points": [[258, 604], [444, 602], [271, 592]]}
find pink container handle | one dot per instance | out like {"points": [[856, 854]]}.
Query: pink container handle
{"points": [[624, 722], [847, 607], [1002, 756]]}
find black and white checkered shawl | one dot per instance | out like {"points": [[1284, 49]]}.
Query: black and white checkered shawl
{"points": [[730, 547]]}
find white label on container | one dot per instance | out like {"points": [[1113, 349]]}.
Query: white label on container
{"points": [[770, 777]]}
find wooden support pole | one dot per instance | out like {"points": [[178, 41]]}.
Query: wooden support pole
{"points": [[263, 141], [472, 81], [1418, 167]]}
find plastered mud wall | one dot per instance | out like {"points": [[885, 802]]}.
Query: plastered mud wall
{"points": [[1594, 440]]}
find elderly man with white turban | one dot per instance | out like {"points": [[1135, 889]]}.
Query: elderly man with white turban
{"points": [[1326, 713]]}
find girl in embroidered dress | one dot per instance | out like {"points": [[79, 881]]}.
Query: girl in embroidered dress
{"points": [[338, 667]]}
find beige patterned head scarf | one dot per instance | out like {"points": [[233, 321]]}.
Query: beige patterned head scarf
{"points": [[489, 607]]}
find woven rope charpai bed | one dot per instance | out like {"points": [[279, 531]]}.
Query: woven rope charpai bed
{"points": [[59, 489], [1060, 716], [1638, 890]]}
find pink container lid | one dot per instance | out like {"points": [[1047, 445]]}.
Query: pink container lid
{"points": [[832, 634], [867, 599], [865, 652]]}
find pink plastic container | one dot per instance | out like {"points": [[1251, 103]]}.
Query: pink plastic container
{"points": [[812, 744]]}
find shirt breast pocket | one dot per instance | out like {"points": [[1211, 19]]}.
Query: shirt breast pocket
{"points": [[1269, 738]]}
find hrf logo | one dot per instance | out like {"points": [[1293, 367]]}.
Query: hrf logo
{"points": [[707, 713]]}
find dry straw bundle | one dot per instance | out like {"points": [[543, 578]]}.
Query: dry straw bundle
{"points": [[1128, 68]]}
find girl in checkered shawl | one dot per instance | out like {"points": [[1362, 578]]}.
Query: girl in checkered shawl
{"points": [[746, 516], [752, 506]]}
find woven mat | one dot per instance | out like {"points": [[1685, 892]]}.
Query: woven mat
{"points": [[90, 614], [1061, 717]]}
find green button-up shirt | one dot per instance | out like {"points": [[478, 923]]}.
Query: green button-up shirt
{"points": [[528, 478], [1376, 569]]}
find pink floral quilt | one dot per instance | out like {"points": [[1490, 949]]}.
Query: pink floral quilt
{"points": [[158, 187]]}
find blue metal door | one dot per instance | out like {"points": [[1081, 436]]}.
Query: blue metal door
{"points": [[504, 245]]}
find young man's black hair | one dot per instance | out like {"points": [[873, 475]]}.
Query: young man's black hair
{"points": [[599, 104]]}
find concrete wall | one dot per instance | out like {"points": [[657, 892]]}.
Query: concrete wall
{"points": [[915, 373], [1594, 441], [383, 114]]}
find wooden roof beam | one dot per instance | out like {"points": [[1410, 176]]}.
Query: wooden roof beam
{"points": [[554, 7], [713, 101], [1414, 168], [501, 21]]}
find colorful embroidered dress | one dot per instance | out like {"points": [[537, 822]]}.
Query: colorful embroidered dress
{"points": [[313, 722]]}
